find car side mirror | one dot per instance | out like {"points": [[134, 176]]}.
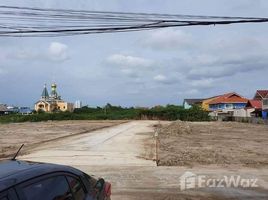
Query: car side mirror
{"points": [[100, 184]]}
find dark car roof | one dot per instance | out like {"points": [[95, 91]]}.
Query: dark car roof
{"points": [[13, 172]]}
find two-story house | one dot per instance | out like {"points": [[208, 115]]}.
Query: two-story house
{"points": [[230, 104]]}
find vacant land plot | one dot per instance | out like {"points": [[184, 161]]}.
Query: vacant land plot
{"points": [[213, 143], [32, 134], [124, 155]]}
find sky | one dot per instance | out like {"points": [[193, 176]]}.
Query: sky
{"points": [[147, 68]]}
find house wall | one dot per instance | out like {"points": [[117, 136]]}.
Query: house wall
{"points": [[42, 106], [64, 106], [264, 115], [205, 103], [265, 107], [227, 106], [265, 104], [186, 105], [243, 112]]}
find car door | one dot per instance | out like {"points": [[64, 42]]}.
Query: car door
{"points": [[4, 196], [49, 187], [9, 194]]}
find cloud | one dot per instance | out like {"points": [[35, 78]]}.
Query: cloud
{"points": [[168, 39], [248, 5], [54, 52], [58, 51], [2, 71], [227, 65], [203, 83], [132, 67], [130, 73], [160, 78], [189, 92], [129, 61]]}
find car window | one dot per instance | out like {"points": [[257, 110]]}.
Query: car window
{"points": [[90, 181], [77, 188], [53, 188]]}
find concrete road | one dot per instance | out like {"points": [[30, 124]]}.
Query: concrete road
{"points": [[121, 145], [124, 155]]}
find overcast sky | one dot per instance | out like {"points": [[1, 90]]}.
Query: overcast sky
{"points": [[140, 68]]}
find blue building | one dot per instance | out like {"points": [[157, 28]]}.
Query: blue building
{"points": [[227, 105], [19, 110]]}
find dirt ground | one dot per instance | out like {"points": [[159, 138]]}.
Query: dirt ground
{"points": [[31, 134], [213, 143], [125, 156]]}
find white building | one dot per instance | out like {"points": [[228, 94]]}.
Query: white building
{"points": [[78, 104]]}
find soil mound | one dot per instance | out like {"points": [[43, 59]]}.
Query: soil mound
{"points": [[176, 128]]}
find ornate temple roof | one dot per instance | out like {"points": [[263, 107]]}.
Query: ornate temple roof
{"points": [[45, 94]]}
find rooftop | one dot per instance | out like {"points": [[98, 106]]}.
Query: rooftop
{"points": [[257, 104], [262, 93], [229, 98], [193, 101], [3, 108]]}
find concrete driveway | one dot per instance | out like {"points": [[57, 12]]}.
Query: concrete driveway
{"points": [[121, 145]]}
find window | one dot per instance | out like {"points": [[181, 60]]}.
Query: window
{"points": [[77, 188], [54, 188], [265, 102], [230, 106]]}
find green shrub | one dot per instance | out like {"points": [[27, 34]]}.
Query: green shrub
{"points": [[109, 112]]}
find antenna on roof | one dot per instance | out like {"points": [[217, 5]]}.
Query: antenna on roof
{"points": [[14, 158]]}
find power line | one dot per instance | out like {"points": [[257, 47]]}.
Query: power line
{"points": [[39, 22]]}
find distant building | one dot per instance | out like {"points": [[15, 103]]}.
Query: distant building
{"points": [[262, 95], [3, 109], [254, 108], [189, 103], [13, 109], [19, 110], [78, 104], [52, 102], [25, 110], [205, 103], [230, 104]]}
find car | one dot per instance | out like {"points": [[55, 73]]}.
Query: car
{"points": [[25, 180]]}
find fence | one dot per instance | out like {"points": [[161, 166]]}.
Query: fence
{"points": [[252, 120]]}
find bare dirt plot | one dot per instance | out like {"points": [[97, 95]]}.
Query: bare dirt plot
{"points": [[31, 134], [214, 143], [121, 154]]}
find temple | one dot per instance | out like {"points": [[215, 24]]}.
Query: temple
{"points": [[52, 102]]}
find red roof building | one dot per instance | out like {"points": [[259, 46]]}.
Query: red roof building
{"points": [[261, 94], [229, 98], [256, 104]]}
